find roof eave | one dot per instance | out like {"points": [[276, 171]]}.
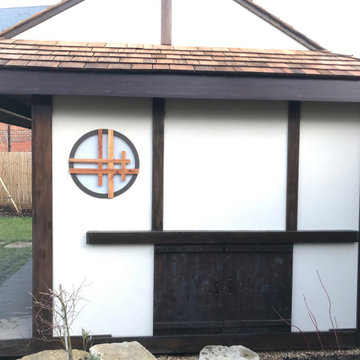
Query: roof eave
{"points": [[178, 85]]}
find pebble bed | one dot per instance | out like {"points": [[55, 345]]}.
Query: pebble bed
{"points": [[350, 354]]}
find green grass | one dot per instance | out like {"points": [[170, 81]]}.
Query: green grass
{"points": [[13, 229], [11, 260]]}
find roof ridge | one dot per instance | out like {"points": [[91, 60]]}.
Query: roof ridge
{"points": [[38, 18], [280, 24]]}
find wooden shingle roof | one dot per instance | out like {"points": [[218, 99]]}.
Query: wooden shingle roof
{"points": [[106, 57]]}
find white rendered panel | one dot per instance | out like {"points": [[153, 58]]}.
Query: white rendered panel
{"points": [[120, 278], [329, 169], [225, 165], [119, 21], [224, 23], [337, 266]]}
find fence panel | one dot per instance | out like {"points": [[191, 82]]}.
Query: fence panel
{"points": [[15, 171]]}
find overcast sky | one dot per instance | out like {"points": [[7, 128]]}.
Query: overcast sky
{"points": [[334, 24]]}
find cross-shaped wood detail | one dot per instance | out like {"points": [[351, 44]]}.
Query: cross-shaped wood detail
{"points": [[110, 171]]}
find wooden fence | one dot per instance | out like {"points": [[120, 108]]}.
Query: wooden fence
{"points": [[15, 171]]}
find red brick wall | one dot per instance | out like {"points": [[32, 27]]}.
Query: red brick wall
{"points": [[20, 138]]}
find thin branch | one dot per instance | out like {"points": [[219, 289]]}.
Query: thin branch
{"points": [[292, 325], [330, 313], [313, 320]]}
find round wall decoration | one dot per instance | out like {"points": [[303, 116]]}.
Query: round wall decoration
{"points": [[104, 163]]}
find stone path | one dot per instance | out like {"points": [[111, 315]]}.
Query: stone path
{"points": [[15, 304]]}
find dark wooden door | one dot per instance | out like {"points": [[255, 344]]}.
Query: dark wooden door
{"points": [[188, 298], [205, 289], [257, 279]]}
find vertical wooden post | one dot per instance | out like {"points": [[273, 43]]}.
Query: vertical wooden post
{"points": [[158, 164], [42, 201], [293, 165], [9, 138], [166, 21]]}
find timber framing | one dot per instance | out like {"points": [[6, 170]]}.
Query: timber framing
{"points": [[43, 84], [166, 22], [42, 204], [38, 18], [185, 86], [15, 113], [292, 165], [219, 237], [158, 164]]}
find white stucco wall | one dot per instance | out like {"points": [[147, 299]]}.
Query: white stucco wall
{"points": [[329, 169], [135, 21], [119, 278], [225, 169], [337, 266], [225, 165], [329, 174], [195, 23], [224, 23]]}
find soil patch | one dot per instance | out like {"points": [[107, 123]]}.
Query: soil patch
{"points": [[8, 211]]}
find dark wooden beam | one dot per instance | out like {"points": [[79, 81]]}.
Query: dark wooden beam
{"points": [[10, 105], [292, 165], [158, 164], [190, 344], [219, 237], [186, 86], [38, 18], [41, 202], [358, 282], [15, 348], [166, 21], [14, 119]]}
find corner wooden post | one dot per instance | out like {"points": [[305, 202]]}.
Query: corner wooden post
{"points": [[158, 164], [166, 22], [292, 185], [42, 201]]}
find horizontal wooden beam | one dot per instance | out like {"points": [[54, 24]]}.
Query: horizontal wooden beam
{"points": [[194, 343], [185, 85], [257, 342], [15, 348], [13, 106], [14, 119], [219, 237]]}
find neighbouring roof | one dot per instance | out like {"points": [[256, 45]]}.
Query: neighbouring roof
{"points": [[107, 57], [279, 24], [11, 16], [37, 18]]}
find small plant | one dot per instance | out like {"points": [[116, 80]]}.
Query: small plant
{"points": [[313, 319], [64, 307], [86, 339]]}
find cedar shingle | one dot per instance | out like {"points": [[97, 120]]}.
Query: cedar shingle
{"points": [[72, 65], [142, 66], [120, 66], [132, 57]]}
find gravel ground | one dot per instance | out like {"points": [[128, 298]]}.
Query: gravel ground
{"points": [[7, 211], [352, 354]]}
